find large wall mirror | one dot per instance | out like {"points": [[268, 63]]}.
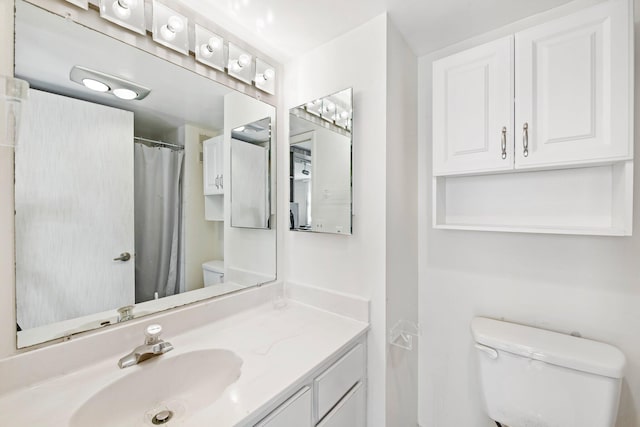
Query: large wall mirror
{"points": [[123, 205], [320, 189]]}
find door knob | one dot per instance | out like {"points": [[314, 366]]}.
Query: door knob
{"points": [[125, 256]]}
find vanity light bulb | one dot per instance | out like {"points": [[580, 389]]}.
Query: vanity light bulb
{"points": [[206, 51], [211, 46], [122, 8], [268, 74], [344, 115], [126, 94], [95, 85], [329, 107], [244, 60], [174, 26]]}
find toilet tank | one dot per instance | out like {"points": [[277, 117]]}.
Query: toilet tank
{"points": [[213, 272], [532, 377]]}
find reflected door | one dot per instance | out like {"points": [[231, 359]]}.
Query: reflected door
{"points": [[73, 219]]}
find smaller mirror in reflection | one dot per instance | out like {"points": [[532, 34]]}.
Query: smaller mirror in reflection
{"points": [[250, 190], [320, 190]]}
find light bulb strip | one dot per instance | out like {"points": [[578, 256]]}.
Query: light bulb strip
{"points": [[172, 31]]}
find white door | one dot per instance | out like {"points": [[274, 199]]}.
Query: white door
{"points": [[74, 210], [212, 166], [473, 110], [573, 88]]}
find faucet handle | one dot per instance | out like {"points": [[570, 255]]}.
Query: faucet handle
{"points": [[152, 334]]}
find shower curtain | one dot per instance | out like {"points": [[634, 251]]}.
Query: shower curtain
{"points": [[157, 221]]}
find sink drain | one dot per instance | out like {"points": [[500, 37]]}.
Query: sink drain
{"points": [[162, 417]]}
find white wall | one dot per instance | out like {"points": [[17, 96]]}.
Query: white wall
{"points": [[401, 226], [351, 264], [201, 237], [565, 283], [363, 264]]}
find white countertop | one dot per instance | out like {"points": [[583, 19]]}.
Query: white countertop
{"points": [[279, 348]]}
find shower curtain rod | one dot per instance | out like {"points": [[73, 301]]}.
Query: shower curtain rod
{"points": [[178, 147]]}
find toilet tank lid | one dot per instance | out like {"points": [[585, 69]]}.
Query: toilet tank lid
{"points": [[216, 265], [552, 347]]}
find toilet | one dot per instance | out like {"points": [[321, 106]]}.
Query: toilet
{"points": [[213, 272], [532, 377]]}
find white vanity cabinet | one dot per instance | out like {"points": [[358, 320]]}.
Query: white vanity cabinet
{"points": [[213, 166], [334, 397], [534, 132], [296, 411], [572, 104]]}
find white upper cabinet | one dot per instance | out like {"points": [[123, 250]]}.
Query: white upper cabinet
{"points": [[473, 110], [572, 103], [213, 156], [573, 89]]}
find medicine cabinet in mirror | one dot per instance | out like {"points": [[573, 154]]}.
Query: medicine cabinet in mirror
{"points": [[320, 188], [117, 210]]}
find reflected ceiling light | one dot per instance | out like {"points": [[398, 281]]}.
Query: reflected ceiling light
{"points": [[169, 28], [240, 64], [127, 94], [126, 13], [95, 85], [265, 77], [209, 48], [107, 83]]}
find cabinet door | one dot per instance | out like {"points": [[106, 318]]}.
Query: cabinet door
{"points": [[473, 110], [574, 90], [295, 412], [349, 412], [212, 166]]}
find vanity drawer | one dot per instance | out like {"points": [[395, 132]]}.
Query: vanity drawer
{"points": [[294, 412], [350, 412], [336, 381]]}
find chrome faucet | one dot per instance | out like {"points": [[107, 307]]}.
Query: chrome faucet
{"points": [[153, 346]]}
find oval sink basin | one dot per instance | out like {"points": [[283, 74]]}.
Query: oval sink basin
{"points": [[171, 385]]}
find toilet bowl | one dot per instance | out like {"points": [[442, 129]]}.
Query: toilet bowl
{"points": [[213, 272], [534, 377]]}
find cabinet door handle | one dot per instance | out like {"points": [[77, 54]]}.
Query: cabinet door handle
{"points": [[221, 181], [217, 181], [503, 143], [525, 140]]}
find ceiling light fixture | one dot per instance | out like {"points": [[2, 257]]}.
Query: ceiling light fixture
{"points": [[170, 28], [126, 13], [107, 83]]}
